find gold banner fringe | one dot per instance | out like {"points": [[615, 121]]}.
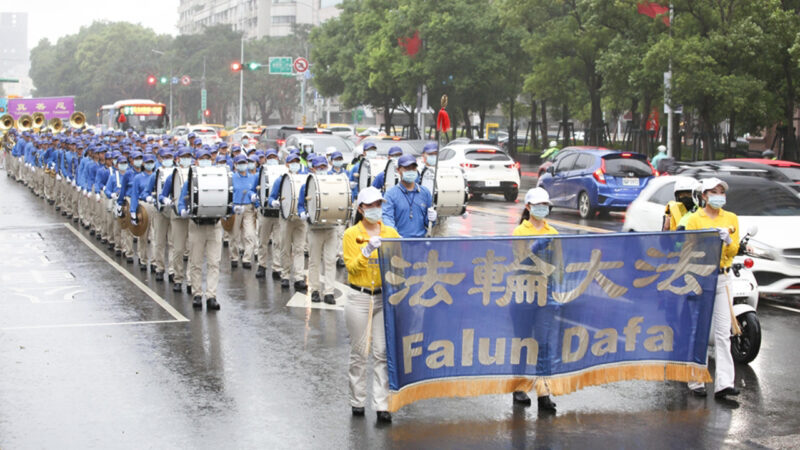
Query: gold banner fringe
{"points": [[558, 385]]}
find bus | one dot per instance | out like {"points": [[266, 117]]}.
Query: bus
{"points": [[143, 116]]}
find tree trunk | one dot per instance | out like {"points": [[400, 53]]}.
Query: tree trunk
{"points": [[706, 129], [482, 127], [543, 128], [565, 124], [511, 146], [534, 139], [790, 143], [596, 126], [731, 135], [387, 118], [643, 146]]}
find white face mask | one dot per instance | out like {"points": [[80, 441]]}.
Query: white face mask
{"points": [[149, 165], [251, 165], [272, 162], [186, 162], [373, 214], [204, 163], [122, 167], [167, 163], [294, 167], [371, 154], [338, 162], [241, 167]]}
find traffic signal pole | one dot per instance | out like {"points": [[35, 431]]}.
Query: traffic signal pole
{"points": [[241, 82]]}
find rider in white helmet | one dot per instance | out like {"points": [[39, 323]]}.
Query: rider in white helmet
{"points": [[306, 149], [551, 152], [682, 205]]}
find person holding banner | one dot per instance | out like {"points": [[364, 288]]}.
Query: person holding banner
{"points": [[408, 206], [710, 215], [532, 223], [364, 311]]}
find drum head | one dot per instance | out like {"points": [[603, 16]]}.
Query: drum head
{"points": [[391, 177], [312, 197], [287, 196], [364, 175]]}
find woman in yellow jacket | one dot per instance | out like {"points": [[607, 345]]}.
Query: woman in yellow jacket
{"points": [[532, 223], [364, 309]]}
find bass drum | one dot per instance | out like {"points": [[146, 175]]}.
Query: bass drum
{"points": [[161, 178], [451, 193], [367, 171], [210, 191], [328, 199], [266, 178], [290, 194], [391, 177], [179, 177]]}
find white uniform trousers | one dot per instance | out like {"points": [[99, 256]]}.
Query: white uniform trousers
{"points": [[721, 329], [243, 236], [293, 241], [269, 229], [339, 240], [356, 314], [322, 245], [127, 243], [159, 223], [144, 251], [206, 244], [180, 237]]}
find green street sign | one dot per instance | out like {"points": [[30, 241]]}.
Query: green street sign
{"points": [[280, 65], [203, 98], [9, 80]]}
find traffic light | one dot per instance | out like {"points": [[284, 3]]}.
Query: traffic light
{"points": [[253, 65], [163, 80], [236, 66], [207, 113], [151, 80]]}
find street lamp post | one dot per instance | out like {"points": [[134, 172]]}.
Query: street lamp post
{"points": [[241, 83], [158, 52]]}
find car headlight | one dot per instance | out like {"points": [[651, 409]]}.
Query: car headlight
{"points": [[760, 250]]}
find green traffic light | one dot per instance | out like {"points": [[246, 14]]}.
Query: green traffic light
{"points": [[163, 80], [253, 65]]}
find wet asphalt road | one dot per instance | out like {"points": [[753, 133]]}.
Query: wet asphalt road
{"points": [[96, 354]]}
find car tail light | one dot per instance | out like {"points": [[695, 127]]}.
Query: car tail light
{"points": [[396, 138], [600, 174], [626, 155], [509, 166], [468, 165], [748, 262], [486, 150]]}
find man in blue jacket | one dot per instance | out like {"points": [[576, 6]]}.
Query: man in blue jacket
{"points": [[408, 207]]}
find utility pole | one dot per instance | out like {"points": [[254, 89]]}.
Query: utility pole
{"points": [[670, 114], [241, 83], [203, 94]]}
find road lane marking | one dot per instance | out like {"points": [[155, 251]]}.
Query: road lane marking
{"points": [[150, 293], [555, 222], [786, 308], [80, 325]]}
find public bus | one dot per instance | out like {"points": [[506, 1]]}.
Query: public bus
{"points": [[143, 116]]}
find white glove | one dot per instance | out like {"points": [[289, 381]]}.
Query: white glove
{"points": [[184, 213], [77, 188], [432, 215], [118, 210], [238, 209], [134, 220], [97, 197], [114, 195], [253, 197], [275, 203], [149, 199], [58, 177], [167, 201], [73, 183], [303, 215], [33, 169], [374, 243], [725, 235], [353, 184], [465, 215]]}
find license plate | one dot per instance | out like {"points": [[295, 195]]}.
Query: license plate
{"points": [[491, 183], [630, 181]]}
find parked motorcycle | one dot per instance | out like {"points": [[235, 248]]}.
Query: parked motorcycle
{"points": [[744, 290]]}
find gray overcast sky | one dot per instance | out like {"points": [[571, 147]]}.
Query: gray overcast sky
{"points": [[54, 19]]}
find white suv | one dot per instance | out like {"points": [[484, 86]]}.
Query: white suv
{"points": [[487, 168]]}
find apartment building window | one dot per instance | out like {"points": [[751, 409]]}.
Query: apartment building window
{"points": [[282, 19]]}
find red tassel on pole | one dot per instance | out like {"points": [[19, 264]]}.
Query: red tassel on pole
{"points": [[443, 121]]}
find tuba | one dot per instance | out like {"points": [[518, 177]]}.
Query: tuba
{"points": [[6, 122], [25, 122], [55, 125], [77, 120], [39, 120]]}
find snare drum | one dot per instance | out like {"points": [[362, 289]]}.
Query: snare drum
{"points": [[290, 193], [266, 178], [367, 171], [161, 177], [391, 177], [179, 177], [450, 196], [210, 192], [328, 199]]}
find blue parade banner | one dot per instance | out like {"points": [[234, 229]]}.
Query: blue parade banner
{"points": [[474, 316]]}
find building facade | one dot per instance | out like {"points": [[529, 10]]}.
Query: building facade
{"points": [[256, 18], [14, 54]]}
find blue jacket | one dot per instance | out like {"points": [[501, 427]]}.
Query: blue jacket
{"points": [[100, 178], [111, 185], [127, 185], [398, 212], [142, 187], [184, 193], [243, 187], [378, 181]]}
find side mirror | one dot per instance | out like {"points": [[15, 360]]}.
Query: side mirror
{"points": [[753, 230], [551, 170]]}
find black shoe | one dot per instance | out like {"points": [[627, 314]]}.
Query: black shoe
{"points": [[521, 398], [129, 259], [91, 233], [172, 278], [143, 267], [176, 287], [104, 241], [339, 262], [58, 208], [185, 258], [315, 297], [197, 303], [63, 213], [285, 283], [246, 265], [261, 271], [699, 392], [153, 268], [358, 411], [189, 289], [300, 285], [545, 404], [384, 417], [276, 274], [118, 252], [727, 392], [329, 299], [234, 264], [212, 304], [159, 276], [224, 243]]}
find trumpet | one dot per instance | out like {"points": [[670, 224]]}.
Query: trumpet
{"points": [[39, 120], [55, 125], [77, 120], [25, 122]]}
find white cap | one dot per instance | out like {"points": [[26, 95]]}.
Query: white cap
{"points": [[707, 184], [553, 143], [368, 195], [330, 150], [537, 195], [662, 148]]}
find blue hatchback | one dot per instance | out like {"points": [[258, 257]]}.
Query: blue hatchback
{"points": [[594, 181]]}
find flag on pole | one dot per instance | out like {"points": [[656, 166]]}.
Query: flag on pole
{"points": [[653, 10]]}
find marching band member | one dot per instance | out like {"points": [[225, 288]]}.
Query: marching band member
{"points": [[370, 151], [205, 235], [292, 234], [322, 246], [710, 215], [408, 206], [337, 168], [244, 228], [125, 192], [179, 227], [363, 311], [112, 191], [532, 223], [159, 222], [100, 180], [143, 192], [269, 231], [395, 153]]}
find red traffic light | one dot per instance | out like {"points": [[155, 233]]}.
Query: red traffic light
{"points": [[151, 80], [207, 112], [236, 66]]}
